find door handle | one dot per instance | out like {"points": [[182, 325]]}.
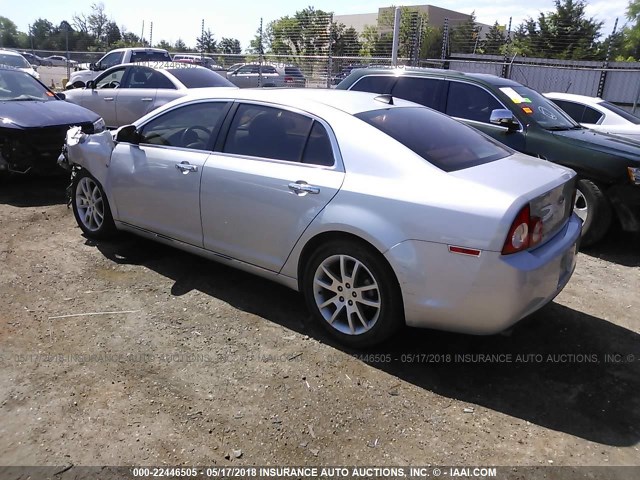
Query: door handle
{"points": [[186, 167], [108, 99], [146, 99], [302, 188]]}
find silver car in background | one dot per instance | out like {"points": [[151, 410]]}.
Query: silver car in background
{"points": [[253, 75], [381, 212], [124, 93]]}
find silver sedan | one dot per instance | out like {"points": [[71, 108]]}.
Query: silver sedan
{"points": [[124, 93], [381, 212]]}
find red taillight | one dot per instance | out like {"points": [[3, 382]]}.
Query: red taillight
{"points": [[288, 79], [526, 231]]}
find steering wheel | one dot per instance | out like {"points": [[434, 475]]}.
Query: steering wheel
{"points": [[185, 140], [112, 84]]}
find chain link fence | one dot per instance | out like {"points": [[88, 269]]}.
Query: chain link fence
{"points": [[326, 51]]}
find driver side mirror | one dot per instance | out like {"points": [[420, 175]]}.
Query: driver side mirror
{"points": [[504, 118], [90, 84], [94, 66], [128, 134]]}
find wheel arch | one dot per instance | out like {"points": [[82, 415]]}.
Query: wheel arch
{"points": [[329, 236]]}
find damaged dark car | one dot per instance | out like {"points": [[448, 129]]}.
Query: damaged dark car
{"points": [[33, 123]]}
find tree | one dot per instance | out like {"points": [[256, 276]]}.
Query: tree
{"points": [[164, 44], [495, 40], [565, 34], [415, 37], [206, 43], [180, 46], [345, 41], [308, 32], [112, 33], [97, 21], [9, 36], [626, 44], [229, 46], [465, 37], [41, 31]]}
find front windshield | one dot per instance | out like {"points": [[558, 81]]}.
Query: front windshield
{"points": [[16, 61], [19, 86], [540, 110]]}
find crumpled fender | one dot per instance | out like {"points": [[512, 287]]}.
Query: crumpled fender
{"points": [[92, 152]]}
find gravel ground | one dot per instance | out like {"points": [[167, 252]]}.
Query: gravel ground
{"points": [[204, 365]]}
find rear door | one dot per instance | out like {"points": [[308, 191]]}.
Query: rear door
{"points": [[102, 98], [276, 170], [139, 93]]}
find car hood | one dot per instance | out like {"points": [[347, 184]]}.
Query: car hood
{"points": [[602, 142], [34, 114]]}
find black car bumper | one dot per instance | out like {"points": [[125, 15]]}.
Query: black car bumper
{"points": [[33, 150]]}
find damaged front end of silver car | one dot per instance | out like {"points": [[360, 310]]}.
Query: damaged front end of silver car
{"points": [[89, 151]]}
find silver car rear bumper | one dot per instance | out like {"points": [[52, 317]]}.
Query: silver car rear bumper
{"points": [[481, 295]]}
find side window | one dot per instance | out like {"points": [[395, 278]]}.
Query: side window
{"points": [[112, 80], [574, 110], [143, 77], [269, 69], [192, 126], [111, 59], [247, 69], [318, 150], [373, 84], [591, 115], [260, 131], [470, 102], [424, 91]]}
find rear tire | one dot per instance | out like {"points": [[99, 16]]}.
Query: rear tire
{"points": [[594, 210], [91, 207], [353, 293]]}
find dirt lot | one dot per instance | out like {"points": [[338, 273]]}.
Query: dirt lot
{"points": [[216, 367]]}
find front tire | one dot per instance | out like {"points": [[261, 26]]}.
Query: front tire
{"points": [[594, 210], [353, 293], [91, 207]]}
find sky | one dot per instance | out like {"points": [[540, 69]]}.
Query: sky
{"points": [[174, 19]]}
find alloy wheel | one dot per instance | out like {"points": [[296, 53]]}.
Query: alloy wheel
{"points": [[90, 204], [347, 294]]}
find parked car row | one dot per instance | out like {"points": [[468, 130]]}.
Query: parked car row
{"points": [[608, 166], [336, 214], [124, 93]]}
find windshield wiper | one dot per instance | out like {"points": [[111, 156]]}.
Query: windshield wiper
{"points": [[558, 129]]}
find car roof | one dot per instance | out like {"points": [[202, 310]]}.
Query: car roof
{"points": [[159, 65], [138, 49], [572, 96], [431, 72], [304, 98], [10, 52]]}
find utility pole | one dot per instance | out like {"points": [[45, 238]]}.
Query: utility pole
{"points": [[151, 35], [396, 38], [261, 58], [202, 42]]}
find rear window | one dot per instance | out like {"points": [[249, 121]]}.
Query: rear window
{"points": [[293, 71], [622, 112], [199, 78], [150, 57], [440, 140]]}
